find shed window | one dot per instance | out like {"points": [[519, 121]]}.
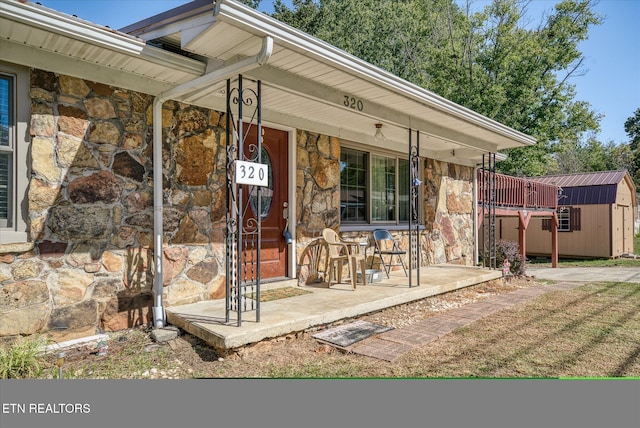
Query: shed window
{"points": [[564, 223], [569, 219]]}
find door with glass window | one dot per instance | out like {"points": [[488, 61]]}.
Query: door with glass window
{"points": [[273, 206]]}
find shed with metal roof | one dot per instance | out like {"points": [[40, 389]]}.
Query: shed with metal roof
{"points": [[596, 214]]}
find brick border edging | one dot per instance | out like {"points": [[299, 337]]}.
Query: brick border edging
{"points": [[393, 344]]}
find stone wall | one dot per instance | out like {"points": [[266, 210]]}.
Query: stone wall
{"points": [[89, 266], [448, 233], [317, 184], [448, 210]]}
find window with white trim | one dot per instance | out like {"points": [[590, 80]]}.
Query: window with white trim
{"points": [[14, 176], [564, 221], [569, 219], [374, 188], [7, 143]]}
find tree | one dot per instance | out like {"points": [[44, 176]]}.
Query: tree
{"points": [[490, 61], [632, 128]]}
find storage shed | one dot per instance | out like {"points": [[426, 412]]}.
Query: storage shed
{"points": [[596, 214]]}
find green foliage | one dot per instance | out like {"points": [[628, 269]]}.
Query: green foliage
{"points": [[252, 3], [632, 128], [492, 61], [20, 360]]}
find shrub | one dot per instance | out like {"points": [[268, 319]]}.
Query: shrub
{"points": [[510, 250], [20, 359]]}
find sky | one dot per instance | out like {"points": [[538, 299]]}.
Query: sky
{"points": [[610, 82]]}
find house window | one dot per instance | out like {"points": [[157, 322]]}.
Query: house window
{"points": [[569, 220], [374, 188], [7, 143], [14, 174]]}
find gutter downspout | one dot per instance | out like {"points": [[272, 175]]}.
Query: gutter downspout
{"points": [[186, 89], [475, 215]]}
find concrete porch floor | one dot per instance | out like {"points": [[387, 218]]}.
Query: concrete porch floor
{"points": [[321, 306]]}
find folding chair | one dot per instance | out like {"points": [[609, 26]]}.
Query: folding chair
{"points": [[385, 245]]}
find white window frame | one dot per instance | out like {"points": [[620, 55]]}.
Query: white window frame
{"points": [[370, 154], [15, 229], [564, 219]]}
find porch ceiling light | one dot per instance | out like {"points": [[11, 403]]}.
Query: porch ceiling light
{"points": [[379, 136]]}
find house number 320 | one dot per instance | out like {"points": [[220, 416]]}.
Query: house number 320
{"points": [[353, 103], [252, 173]]}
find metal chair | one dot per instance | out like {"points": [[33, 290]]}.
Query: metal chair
{"points": [[385, 245], [340, 251]]}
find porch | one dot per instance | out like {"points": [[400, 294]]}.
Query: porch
{"points": [[320, 306]]}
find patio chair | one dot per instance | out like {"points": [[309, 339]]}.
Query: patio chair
{"points": [[339, 252], [385, 245]]}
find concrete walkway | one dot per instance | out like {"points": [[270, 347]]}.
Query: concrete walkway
{"points": [[616, 274], [393, 344]]}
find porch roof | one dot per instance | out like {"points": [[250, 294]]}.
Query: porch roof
{"points": [[305, 83]]}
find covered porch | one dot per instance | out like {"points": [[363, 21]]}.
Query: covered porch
{"points": [[319, 305]]}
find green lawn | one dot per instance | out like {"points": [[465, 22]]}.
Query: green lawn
{"points": [[624, 262], [590, 331]]}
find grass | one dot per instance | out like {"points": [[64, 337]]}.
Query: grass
{"points": [[590, 263], [131, 356], [20, 359], [590, 331], [620, 262]]}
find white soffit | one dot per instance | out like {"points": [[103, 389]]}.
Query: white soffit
{"points": [[35, 36], [316, 79]]}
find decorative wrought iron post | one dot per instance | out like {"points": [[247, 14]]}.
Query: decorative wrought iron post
{"points": [[243, 234], [488, 206], [414, 207]]}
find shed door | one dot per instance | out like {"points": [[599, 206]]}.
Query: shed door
{"points": [[627, 229]]}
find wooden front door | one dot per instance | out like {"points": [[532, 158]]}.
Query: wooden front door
{"points": [[274, 199]]}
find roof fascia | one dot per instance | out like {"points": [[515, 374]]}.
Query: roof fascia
{"points": [[75, 29], [169, 17]]}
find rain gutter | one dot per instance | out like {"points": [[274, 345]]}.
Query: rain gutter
{"points": [[183, 91]]}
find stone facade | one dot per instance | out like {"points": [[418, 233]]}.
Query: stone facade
{"points": [[317, 184], [89, 264], [448, 213], [89, 267]]}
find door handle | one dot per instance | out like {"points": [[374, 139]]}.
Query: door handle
{"points": [[285, 214]]}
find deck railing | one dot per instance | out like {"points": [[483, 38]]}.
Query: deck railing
{"points": [[514, 192]]}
